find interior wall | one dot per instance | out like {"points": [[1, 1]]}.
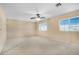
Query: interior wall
{"points": [[55, 34], [2, 28], [17, 28]]}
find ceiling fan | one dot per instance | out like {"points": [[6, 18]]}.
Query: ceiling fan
{"points": [[58, 4], [38, 17]]}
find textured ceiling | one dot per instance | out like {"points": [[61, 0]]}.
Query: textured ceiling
{"points": [[24, 11]]}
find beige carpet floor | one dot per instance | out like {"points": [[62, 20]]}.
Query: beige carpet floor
{"points": [[37, 45]]}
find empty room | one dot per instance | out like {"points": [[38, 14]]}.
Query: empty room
{"points": [[39, 28]]}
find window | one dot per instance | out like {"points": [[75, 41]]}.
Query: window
{"points": [[42, 26], [70, 24]]}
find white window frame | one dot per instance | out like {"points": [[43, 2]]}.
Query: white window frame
{"points": [[43, 26], [69, 27]]}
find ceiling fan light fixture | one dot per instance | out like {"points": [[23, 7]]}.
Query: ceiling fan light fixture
{"points": [[38, 19]]}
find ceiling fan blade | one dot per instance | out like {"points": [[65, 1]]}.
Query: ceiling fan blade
{"points": [[32, 17], [42, 17]]}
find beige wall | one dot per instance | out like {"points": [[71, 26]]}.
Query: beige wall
{"points": [[17, 28], [2, 28], [54, 33]]}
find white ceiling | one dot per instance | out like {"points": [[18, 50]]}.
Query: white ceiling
{"points": [[24, 11]]}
